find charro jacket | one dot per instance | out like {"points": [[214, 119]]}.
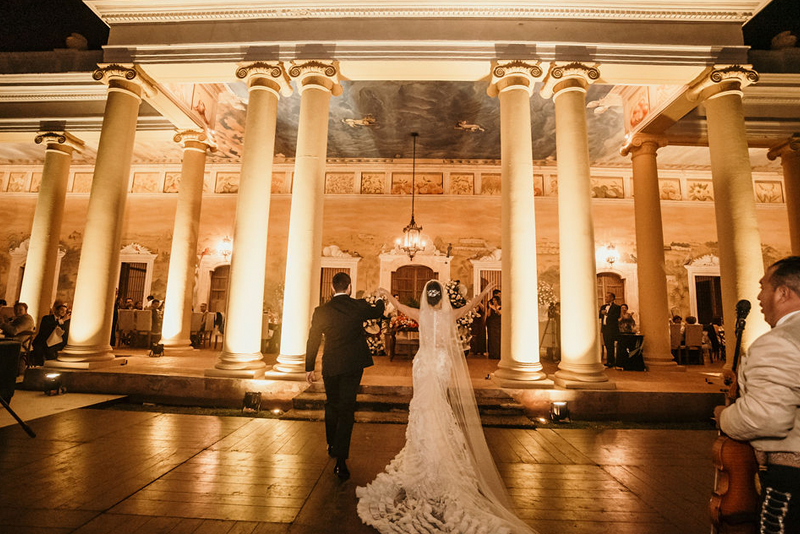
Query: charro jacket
{"points": [[767, 413]]}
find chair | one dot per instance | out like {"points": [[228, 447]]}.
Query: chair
{"points": [[125, 327], [693, 342], [143, 324], [675, 340], [25, 339]]}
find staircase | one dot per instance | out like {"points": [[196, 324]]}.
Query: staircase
{"points": [[389, 404]]}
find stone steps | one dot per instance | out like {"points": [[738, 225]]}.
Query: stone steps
{"points": [[389, 404]]}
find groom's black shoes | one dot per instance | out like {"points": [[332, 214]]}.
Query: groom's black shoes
{"points": [[340, 470]]}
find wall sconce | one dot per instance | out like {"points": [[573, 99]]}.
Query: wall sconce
{"points": [[226, 247], [607, 254], [251, 402], [559, 412], [52, 384]]}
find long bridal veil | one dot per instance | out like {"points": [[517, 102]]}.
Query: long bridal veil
{"points": [[444, 479], [442, 335]]}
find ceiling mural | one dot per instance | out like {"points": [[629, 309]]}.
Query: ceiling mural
{"points": [[374, 119]]}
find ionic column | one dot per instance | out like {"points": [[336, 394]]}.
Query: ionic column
{"points": [[519, 363], [241, 346], [789, 152], [580, 341], [316, 82], [740, 259], [183, 255], [90, 328], [40, 264], [650, 264]]}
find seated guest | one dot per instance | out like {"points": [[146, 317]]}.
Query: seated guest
{"points": [[21, 322], [691, 319], [129, 304], [627, 324], [49, 340]]}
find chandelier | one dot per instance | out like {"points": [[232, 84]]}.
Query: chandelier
{"points": [[412, 234]]}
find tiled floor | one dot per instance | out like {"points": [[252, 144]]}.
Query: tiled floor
{"points": [[96, 471]]}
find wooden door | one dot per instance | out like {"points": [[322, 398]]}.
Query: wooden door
{"points": [[610, 283], [709, 298], [218, 296], [408, 282], [132, 277]]}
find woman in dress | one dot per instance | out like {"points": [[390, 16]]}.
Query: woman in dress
{"points": [[493, 321], [444, 479]]}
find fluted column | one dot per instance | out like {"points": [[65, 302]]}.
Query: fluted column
{"points": [[241, 346], [789, 152], [580, 342], [650, 264], [40, 265], [740, 259], [519, 363], [176, 328], [316, 82], [90, 327]]}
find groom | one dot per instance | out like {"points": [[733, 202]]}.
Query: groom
{"points": [[344, 358]]}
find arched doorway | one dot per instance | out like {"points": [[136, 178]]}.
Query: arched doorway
{"points": [[610, 283], [409, 280], [218, 294]]}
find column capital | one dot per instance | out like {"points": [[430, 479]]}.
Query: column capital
{"points": [[514, 74], [722, 79], [639, 141], [124, 77], [61, 141], [315, 73], [574, 76], [788, 147], [194, 139], [265, 75]]}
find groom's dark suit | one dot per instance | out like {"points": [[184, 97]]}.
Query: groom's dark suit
{"points": [[344, 358]]}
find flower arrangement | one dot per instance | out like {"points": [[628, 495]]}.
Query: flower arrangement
{"points": [[375, 328], [457, 293], [402, 322]]}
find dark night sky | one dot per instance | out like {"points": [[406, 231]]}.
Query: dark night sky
{"points": [[36, 26]]}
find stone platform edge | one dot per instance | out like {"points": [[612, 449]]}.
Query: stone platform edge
{"points": [[202, 391]]}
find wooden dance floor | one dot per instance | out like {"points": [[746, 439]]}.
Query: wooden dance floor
{"points": [[107, 471]]}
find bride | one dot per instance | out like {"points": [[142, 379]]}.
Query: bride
{"points": [[444, 479]]}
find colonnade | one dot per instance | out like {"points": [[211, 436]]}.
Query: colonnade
{"points": [[513, 84]]}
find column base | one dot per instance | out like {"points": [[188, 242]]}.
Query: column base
{"points": [[90, 364], [511, 383], [277, 374], [91, 353], [171, 345], [291, 364], [519, 373], [663, 364], [238, 365], [582, 376]]}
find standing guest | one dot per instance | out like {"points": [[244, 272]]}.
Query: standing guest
{"points": [[148, 302], [609, 314], [768, 410], [477, 343], [494, 312], [21, 322], [157, 319], [344, 358], [52, 334]]}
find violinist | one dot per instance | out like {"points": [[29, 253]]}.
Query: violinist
{"points": [[767, 413]]}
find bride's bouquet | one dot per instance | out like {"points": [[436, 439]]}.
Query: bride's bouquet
{"points": [[457, 292]]}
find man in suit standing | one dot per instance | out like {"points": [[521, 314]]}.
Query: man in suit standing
{"points": [[609, 314], [344, 358]]}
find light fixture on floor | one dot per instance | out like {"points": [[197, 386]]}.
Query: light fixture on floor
{"points": [[412, 234], [251, 402], [559, 412], [52, 384]]}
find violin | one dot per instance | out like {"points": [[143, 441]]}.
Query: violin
{"points": [[734, 504]]}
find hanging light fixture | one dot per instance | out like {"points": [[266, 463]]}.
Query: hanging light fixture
{"points": [[226, 247], [412, 234]]}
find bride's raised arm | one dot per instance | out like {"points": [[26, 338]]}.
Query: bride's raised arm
{"points": [[462, 311], [408, 311]]}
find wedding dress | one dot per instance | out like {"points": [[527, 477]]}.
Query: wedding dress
{"points": [[444, 479]]}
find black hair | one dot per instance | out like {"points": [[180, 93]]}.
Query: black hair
{"points": [[341, 281], [786, 273], [434, 292]]}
